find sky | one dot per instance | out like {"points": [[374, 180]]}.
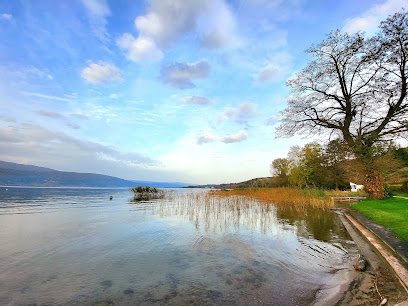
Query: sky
{"points": [[160, 90]]}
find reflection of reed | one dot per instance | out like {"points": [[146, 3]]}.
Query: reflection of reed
{"points": [[214, 213]]}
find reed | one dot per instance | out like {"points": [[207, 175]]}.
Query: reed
{"points": [[283, 197], [146, 193], [213, 213]]}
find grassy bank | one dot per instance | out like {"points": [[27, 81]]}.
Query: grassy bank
{"points": [[283, 197], [391, 213]]}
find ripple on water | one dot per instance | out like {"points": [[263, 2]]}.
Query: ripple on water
{"points": [[72, 246]]}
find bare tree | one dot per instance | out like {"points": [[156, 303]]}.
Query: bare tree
{"points": [[356, 89]]}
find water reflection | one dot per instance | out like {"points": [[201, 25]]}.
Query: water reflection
{"points": [[211, 214], [78, 247], [216, 214]]}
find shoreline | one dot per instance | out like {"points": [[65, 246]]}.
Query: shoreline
{"points": [[371, 286]]}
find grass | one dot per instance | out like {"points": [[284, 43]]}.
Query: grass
{"points": [[391, 213], [340, 193], [283, 197]]}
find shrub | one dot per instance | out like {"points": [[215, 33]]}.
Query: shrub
{"points": [[404, 186], [146, 193]]}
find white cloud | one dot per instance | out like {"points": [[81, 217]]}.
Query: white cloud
{"points": [[206, 138], [101, 73], [219, 27], [196, 100], [59, 117], [140, 49], [240, 114], [28, 72], [39, 145], [7, 17], [276, 69], [73, 95], [272, 120], [180, 75], [39, 95], [240, 136], [79, 116], [168, 21], [8, 119], [369, 21], [98, 11]]}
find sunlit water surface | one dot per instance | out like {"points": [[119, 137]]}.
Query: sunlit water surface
{"points": [[75, 246]]}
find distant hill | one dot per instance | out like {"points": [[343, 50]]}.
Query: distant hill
{"points": [[256, 182], [12, 174]]}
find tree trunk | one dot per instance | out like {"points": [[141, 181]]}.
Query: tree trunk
{"points": [[374, 184]]}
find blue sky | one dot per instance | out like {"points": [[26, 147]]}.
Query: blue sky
{"points": [[164, 90]]}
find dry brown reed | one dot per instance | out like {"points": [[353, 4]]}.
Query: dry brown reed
{"points": [[282, 197]]}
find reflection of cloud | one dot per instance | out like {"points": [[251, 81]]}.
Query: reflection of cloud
{"points": [[181, 75], [101, 73], [196, 100], [369, 20], [241, 114], [240, 136]]}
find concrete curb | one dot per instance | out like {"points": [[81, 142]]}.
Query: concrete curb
{"points": [[400, 271]]}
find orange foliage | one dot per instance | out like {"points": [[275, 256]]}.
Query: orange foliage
{"points": [[281, 197]]}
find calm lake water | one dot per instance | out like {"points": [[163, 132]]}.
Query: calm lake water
{"points": [[75, 246]]}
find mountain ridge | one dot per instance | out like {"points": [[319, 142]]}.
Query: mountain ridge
{"points": [[14, 174]]}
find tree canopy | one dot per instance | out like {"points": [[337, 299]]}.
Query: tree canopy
{"points": [[354, 87]]}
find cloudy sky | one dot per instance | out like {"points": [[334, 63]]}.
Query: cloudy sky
{"points": [[163, 90]]}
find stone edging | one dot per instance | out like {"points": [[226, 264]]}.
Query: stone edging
{"points": [[400, 271]]}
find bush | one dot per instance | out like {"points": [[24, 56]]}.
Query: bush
{"points": [[146, 193], [404, 186]]}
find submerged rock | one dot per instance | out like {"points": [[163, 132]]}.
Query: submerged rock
{"points": [[361, 264], [128, 291], [106, 283]]}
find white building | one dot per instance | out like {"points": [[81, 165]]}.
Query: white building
{"points": [[355, 187]]}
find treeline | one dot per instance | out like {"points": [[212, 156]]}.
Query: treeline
{"points": [[334, 166]]}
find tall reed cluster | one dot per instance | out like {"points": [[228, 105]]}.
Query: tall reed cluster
{"points": [[146, 193], [283, 197], [214, 213]]}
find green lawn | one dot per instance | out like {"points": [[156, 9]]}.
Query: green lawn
{"points": [[391, 213]]}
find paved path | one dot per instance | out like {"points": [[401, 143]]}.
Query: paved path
{"points": [[389, 237], [392, 260]]}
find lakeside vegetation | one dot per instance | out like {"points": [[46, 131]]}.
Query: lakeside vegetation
{"points": [[146, 193], [334, 166], [391, 213], [354, 89], [283, 197]]}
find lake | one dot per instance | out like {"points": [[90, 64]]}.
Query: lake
{"points": [[75, 246]]}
